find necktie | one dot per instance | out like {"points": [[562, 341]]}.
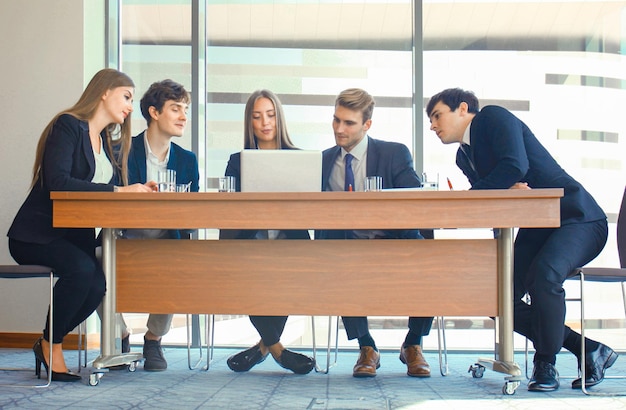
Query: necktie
{"points": [[349, 184], [465, 159]]}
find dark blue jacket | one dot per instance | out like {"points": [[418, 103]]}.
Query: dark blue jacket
{"points": [[390, 160], [504, 151], [182, 161]]}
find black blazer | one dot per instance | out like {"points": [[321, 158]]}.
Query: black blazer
{"points": [[233, 168], [68, 165], [504, 151], [390, 160], [182, 161]]}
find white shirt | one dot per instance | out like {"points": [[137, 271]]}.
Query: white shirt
{"points": [[104, 170], [153, 165]]}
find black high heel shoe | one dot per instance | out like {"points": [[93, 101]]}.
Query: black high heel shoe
{"points": [[40, 359]]}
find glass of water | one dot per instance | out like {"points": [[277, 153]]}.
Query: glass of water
{"points": [[167, 180]]}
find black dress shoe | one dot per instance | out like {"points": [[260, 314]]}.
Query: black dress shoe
{"points": [[246, 360], [596, 362], [296, 362], [545, 377]]}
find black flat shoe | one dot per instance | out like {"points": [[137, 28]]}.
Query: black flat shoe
{"points": [[545, 377], [56, 377], [596, 362], [296, 362], [246, 360]]}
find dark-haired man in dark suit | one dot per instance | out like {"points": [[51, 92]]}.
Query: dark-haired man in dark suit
{"points": [[344, 167], [499, 151], [164, 107]]}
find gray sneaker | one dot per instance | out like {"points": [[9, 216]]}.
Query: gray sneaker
{"points": [[154, 361]]}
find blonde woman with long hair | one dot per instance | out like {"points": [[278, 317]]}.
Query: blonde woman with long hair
{"points": [[265, 128], [83, 148]]}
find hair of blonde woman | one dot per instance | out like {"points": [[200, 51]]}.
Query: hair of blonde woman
{"points": [[85, 109], [282, 136], [356, 99]]}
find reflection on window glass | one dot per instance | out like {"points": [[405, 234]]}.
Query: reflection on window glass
{"points": [[307, 82]]}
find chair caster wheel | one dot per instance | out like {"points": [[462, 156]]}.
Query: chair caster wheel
{"points": [[94, 379], [509, 388]]}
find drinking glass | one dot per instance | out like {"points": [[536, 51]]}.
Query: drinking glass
{"points": [[182, 187], [227, 184], [373, 183], [167, 180], [430, 181]]}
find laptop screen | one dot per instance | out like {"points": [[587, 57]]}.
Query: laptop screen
{"points": [[281, 170]]}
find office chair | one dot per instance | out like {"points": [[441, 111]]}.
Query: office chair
{"points": [[603, 275], [32, 271], [598, 275], [441, 323], [194, 339], [328, 345], [82, 345], [443, 347]]}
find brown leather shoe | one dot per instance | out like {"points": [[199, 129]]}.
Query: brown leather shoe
{"points": [[415, 362], [369, 361]]}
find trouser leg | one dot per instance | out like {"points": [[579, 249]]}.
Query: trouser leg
{"points": [[159, 324], [356, 326], [420, 325], [563, 249], [270, 328]]}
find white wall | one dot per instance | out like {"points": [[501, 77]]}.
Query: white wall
{"points": [[43, 71]]}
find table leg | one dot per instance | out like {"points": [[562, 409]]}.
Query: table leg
{"points": [[110, 343], [504, 363], [505, 300]]}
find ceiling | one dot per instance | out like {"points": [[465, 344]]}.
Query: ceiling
{"points": [[461, 24]]}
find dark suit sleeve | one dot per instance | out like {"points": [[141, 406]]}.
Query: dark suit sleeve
{"points": [[233, 169], [192, 166], [497, 140], [403, 173], [192, 174]]}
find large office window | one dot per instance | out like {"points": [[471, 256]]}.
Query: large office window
{"points": [[558, 65]]}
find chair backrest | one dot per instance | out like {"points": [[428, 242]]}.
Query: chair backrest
{"points": [[621, 232]]}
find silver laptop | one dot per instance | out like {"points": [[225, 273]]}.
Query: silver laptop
{"points": [[281, 170]]}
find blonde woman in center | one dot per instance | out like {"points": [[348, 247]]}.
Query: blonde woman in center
{"points": [[265, 128]]}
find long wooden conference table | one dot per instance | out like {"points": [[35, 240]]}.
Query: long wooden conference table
{"points": [[452, 277]]}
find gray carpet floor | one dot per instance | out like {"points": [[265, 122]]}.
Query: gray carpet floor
{"points": [[268, 386]]}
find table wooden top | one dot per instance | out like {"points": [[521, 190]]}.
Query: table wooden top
{"points": [[393, 209]]}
